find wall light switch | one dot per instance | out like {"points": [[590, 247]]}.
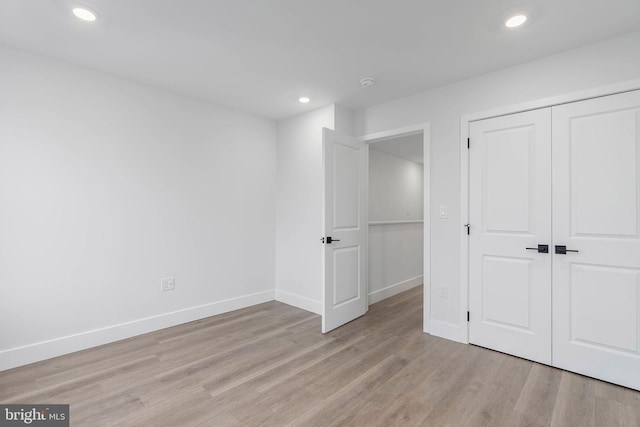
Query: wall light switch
{"points": [[444, 291], [443, 212]]}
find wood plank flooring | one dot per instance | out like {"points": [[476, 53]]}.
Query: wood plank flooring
{"points": [[270, 365]]}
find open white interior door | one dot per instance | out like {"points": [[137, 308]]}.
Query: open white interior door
{"points": [[345, 162]]}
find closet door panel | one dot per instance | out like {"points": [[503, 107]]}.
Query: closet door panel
{"points": [[596, 205], [510, 211]]}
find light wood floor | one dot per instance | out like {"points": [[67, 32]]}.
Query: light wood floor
{"points": [[270, 365]]}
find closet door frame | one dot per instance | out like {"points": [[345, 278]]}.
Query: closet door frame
{"points": [[461, 334]]}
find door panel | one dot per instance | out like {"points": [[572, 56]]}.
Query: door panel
{"points": [[346, 281], [508, 180], [596, 291], [346, 187], [603, 156], [598, 311], [510, 210], [505, 281], [345, 161]]}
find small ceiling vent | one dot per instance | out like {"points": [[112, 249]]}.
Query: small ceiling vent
{"points": [[367, 81]]}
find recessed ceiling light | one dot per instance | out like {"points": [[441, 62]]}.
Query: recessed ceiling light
{"points": [[515, 21], [304, 99], [85, 13]]}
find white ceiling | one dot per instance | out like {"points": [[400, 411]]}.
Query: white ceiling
{"points": [[409, 147], [261, 55]]}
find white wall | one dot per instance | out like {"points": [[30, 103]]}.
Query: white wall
{"points": [[107, 186], [608, 62], [396, 187], [299, 209], [344, 120], [396, 193]]}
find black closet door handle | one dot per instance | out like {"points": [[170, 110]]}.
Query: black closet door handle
{"points": [[562, 250], [542, 249]]}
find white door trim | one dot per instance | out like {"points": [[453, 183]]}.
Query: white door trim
{"points": [[425, 129], [464, 172]]}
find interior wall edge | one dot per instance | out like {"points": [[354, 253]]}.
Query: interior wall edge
{"points": [[394, 289], [447, 330], [299, 301]]}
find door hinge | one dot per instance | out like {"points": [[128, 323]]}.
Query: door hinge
{"points": [[468, 143], [468, 228], [468, 317]]}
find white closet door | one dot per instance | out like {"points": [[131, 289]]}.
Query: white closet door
{"points": [[596, 212], [510, 211]]}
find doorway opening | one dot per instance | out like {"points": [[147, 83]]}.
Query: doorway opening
{"points": [[398, 232]]}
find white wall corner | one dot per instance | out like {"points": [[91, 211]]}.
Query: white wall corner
{"points": [[394, 289], [344, 120], [447, 330], [299, 301]]}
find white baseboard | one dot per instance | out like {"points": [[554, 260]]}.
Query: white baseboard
{"points": [[19, 356], [299, 301], [394, 289]]}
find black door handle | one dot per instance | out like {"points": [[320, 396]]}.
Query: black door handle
{"points": [[542, 249], [562, 250], [330, 240]]}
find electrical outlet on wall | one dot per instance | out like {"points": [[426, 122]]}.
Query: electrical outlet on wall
{"points": [[444, 291], [168, 284]]}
